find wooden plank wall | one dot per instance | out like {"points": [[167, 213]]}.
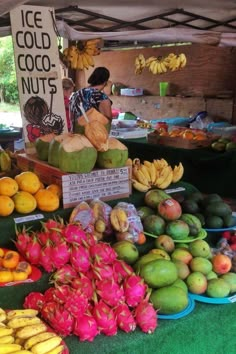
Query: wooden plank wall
{"points": [[210, 74]]}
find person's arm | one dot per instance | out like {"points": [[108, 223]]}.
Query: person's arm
{"points": [[105, 108]]}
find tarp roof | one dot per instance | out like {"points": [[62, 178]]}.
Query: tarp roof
{"points": [[138, 21]]}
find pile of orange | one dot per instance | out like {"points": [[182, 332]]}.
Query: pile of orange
{"points": [[189, 134], [20, 194], [12, 268]]}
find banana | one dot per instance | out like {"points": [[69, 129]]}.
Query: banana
{"points": [[22, 351], [85, 62], [153, 173], [93, 41], [142, 61], [5, 161], [167, 181], [2, 325], [129, 162], [183, 60], [18, 322], [21, 313], [80, 64], [5, 331], [150, 60], [159, 68], [119, 220], [163, 67], [31, 330], [147, 163], [163, 175], [31, 341], [58, 350], [178, 172], [139, 186], [3, 317], [153, 67], [136, 162], [146, 172], [7, 340], [139, 176], [9, 348], [89, 59], [47, 345]]}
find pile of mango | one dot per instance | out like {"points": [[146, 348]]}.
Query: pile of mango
{"points": [[224, 144]]}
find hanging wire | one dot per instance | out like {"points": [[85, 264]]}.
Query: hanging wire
{"points": [[56, 30]]}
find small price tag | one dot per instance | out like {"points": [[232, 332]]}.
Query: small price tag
{"points": [[23, 219]]}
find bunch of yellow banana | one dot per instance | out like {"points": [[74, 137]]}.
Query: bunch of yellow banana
{"points": [[155, 174], [22, 332], [156, 65], [139, 64], [119, 219], [80, 56], [175, 62]]}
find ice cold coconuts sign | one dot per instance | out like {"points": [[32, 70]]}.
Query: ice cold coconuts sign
{"points": [[38, 72]]}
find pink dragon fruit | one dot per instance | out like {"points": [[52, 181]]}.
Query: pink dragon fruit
{"points": [[105, 318], [146, 316], [56, 236], [86, 328], [84, 285], [64, 275], [124, 317], [121, 270], [60, 254], [73, 233], [33, 250], [34, 300], [53, 224], [110, 292], [42, 237], [79, 258], [58, 318], [102, 271], [91, 240], [22, 240], [135, 289], [49, 294], [76, 304], [45, 258], [62, 293], [103, 253]]}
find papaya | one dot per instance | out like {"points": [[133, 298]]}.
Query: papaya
{"points": [[193, 222]]}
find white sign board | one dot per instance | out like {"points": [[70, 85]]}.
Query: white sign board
{"points": [[107, 184], [38, 72]]}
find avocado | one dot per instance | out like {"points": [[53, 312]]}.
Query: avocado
{"points": [[201, 217], [229, 220], [218, 209], [211, 198], [218, 146], [230, 146], [214, 222], [196, 196], [190, 206]]}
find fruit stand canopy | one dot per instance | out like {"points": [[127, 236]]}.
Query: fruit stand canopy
{"points": [[138, 22]]}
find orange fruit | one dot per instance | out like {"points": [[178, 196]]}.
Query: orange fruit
{"points": [[10, 259], [6, 205], [47, 200], [55, 189], [8, 186], [28, 182], [188, 134], [25, 202]]}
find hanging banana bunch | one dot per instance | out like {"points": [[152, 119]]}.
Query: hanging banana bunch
{"points": [[160, 65], [80, 55]]}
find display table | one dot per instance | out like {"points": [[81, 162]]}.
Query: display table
{"points": [[208, 329], [208, 170]]}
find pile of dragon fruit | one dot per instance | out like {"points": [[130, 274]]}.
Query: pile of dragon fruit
{"points": [[92, 290]]}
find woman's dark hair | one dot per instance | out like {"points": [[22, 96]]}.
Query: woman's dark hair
{"points": [[99, 76]]}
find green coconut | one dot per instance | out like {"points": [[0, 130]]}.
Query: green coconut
{"points": [[42, 146], [77, 154], [116, 155], [53, 151]]}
